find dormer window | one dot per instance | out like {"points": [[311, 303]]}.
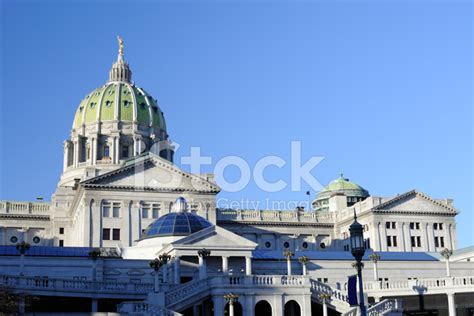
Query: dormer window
{"points": [[126, 103], [108, 103]]}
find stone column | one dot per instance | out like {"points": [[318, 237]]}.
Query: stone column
{"points": [[218, 301], [430, 232], [451, 304], [177, 270], [225, 264], [66, 155], [426, 243], [407, 236], [202, 255], [401, 236], [248, 307], [94, 151], [248, 266], [76, 153], [447, 234], [95, 305]]}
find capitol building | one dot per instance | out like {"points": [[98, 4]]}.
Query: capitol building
{"points": [[127, 232]]}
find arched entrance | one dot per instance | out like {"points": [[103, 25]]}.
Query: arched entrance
{"points": [[263, 308], [292, 308], [237, 309]]}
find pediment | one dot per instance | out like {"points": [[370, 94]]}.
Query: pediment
{"points": [[416, 202], [214, 237], [151, 173]]}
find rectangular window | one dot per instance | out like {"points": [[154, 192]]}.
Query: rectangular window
{"points": [[387, 225], [418, 241], [116, 210], [61, 230], [440, 226], [412, 225], [61, 243], [417, 225], [394, 225], [394, 241], [441, 241], [106, 234], [106, 210], [413, 241], [116, 234], [106, 151], [145, 212], [124, 151], [436, 242], [435, 226], [156, 212], [389, 241]]}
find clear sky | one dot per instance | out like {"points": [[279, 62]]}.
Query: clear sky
{"points": [[381, 89]]}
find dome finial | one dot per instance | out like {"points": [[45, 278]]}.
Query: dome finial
{"points": [[120, 41], [341, 174], [120, 71]]}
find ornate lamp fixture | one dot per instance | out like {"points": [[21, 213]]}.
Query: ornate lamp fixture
{"points": [[357, 249], [22, 247], [203, 253]]}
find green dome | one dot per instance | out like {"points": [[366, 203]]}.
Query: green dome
{"points": [[343, 186], [119, 101]]}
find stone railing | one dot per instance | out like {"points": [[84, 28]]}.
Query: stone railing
{"points": [[464, 283], [26, 208], [55, 285], [272, 216], [388, 305], [186, 290], [140, 308], [319, 287]]}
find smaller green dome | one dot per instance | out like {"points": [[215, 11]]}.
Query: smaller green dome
{"points": [[344, 186]]}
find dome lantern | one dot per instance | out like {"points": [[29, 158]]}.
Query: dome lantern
{"points": [[120, 71]]}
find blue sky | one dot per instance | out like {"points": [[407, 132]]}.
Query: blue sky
{"points": [[381, 89]]}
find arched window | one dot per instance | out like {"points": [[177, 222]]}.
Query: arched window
{"points": [[263, 308], [106, 151], [292, 308]]}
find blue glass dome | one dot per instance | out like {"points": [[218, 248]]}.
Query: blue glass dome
{"points": [[175, 224]]}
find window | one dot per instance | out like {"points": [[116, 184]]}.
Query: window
{"points": [[391, 241], [116, 234], [106, 234], [367, 243], [268, 244], [305, 245], [391, 225], [156, 212], [106, 210], [61, 230], [145, 212], [286, 244], [125, 151], [13, 239], [435, 226], [387, 224], [346, 247], [116, 210], [106, 151], [414, 225], [436, 242], [440, 226], [61, 243], [415, 241], [322, 245], [441, 241], [36, 240]]}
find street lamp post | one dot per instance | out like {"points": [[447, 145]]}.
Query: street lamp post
{"points": [[446, 253], [22, 248], [164, 258], [375, 257], [231, 299], [304, 261], [288, 254], [324, 298], [156, 264], [357, 249]]}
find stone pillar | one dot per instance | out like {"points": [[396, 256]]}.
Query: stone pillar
{"points": [[117, 149], [177, 270], [304, 268], [248, 266], [94, 151], [401, 236], [219, 306], [407, 236], [135, 146], [448, 269], [424, 228], [202, 268], [447, 234], [383, 236], [66, 155], [95, 305], [451, 304], [325, 308], [288, 265], [76, 153], [306, 308], [248, 307], [430, 233], [225, 264], [231, 308]]}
